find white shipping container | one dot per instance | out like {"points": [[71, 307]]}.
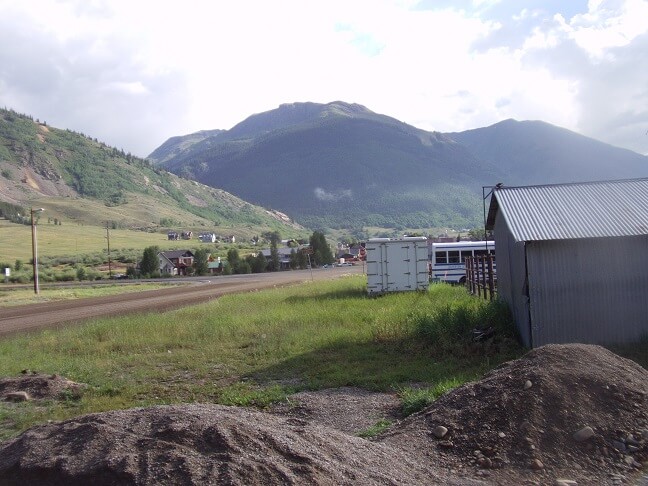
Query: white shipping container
{"points": [[397, 264]]}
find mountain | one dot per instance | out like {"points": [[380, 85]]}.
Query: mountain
{"points": [[176, 145], [340, 165], [78, 178], [535, 152]]}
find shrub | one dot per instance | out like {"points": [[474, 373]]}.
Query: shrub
{"points": [[92, 274], [66, 276]]}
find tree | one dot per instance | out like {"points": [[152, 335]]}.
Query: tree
{"points": [[479, 234], [233, 258], [302, 260], [150, 263], [275, 263], [236, 263], [243, 267], [201, 258], [258, 263], [293, 259], [298, 259], [321, 250]]}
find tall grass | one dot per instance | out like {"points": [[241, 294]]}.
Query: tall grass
{"points": [[257, 348], [447, 326]]}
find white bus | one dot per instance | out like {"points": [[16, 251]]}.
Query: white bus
{"points": [[448, 260]]}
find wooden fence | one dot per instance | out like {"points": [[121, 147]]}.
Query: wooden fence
{"points": [[481, 278]]}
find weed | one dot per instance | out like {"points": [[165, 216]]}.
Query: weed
{"points": [[376, 429], [416, 399], [247, 395]]}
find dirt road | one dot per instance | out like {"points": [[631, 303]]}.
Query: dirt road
{"points": [[53, 314]]}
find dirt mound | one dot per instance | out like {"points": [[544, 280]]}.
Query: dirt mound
{"points": [[571, 412], [561, 411], [200, 444], [32, 385]]}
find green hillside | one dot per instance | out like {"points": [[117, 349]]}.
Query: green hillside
{"points": [[341, 166], [77, 178]]}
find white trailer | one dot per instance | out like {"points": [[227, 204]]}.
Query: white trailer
{"points": [[397, 264]]}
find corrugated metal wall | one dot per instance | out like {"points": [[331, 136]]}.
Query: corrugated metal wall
{"points": [[588, 290], [511, 276]]}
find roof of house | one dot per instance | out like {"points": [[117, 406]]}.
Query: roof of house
{"points": [[572, 211], [171, 254], [284, 252]]}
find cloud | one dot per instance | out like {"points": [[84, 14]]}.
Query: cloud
{"points": [[136, 73], [334, 196]]}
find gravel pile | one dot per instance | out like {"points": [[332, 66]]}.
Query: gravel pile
{"points": [[573, 412], [562, 414]]}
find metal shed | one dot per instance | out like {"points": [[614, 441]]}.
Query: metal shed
{"points": [[571, 260]]}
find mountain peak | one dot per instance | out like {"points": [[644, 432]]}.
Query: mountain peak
{"points": [[336, 107]]}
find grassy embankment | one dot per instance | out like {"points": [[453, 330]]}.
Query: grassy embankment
{"points": [[254, 349]]}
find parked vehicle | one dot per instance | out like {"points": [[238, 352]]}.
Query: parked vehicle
{"points": [[448, 260]]}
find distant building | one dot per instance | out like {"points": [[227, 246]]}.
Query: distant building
{"points": [[207, 237], [175, 262], [571, 260], [284, 256]]}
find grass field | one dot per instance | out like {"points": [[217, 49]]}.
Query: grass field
{"points": [[257, 348], [72, 239]]}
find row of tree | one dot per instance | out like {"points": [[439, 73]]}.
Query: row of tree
{"points": [[253, 263]]}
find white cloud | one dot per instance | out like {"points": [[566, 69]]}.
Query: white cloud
{"points": [[136, 73], [332, 196]]}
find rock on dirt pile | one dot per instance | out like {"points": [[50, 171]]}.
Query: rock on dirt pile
{"points": [[561, 411]]}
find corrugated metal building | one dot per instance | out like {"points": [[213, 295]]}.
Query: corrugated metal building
{"points": [[572, 260]]}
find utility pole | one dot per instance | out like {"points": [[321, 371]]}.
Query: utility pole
{"points": [[35, 248], [309, 252], [108, 239]]}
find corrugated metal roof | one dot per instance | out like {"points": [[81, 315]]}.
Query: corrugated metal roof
{"points": [[571, 211]]}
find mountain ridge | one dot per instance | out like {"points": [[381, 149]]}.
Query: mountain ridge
{"points": [[341, 165]]}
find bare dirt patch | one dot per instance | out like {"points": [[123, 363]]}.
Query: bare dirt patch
{"points": [[37, 386], [348, 409], [562, 412]]}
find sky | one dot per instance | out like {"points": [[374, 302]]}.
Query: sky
{"points": [[133, 73]]}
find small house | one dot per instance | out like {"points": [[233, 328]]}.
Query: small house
{"points": [[284, 256], [175, 262], [207, 237], [570, 260]]}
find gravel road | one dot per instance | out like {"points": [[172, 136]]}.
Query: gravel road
{"points": [[52, 314]]}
